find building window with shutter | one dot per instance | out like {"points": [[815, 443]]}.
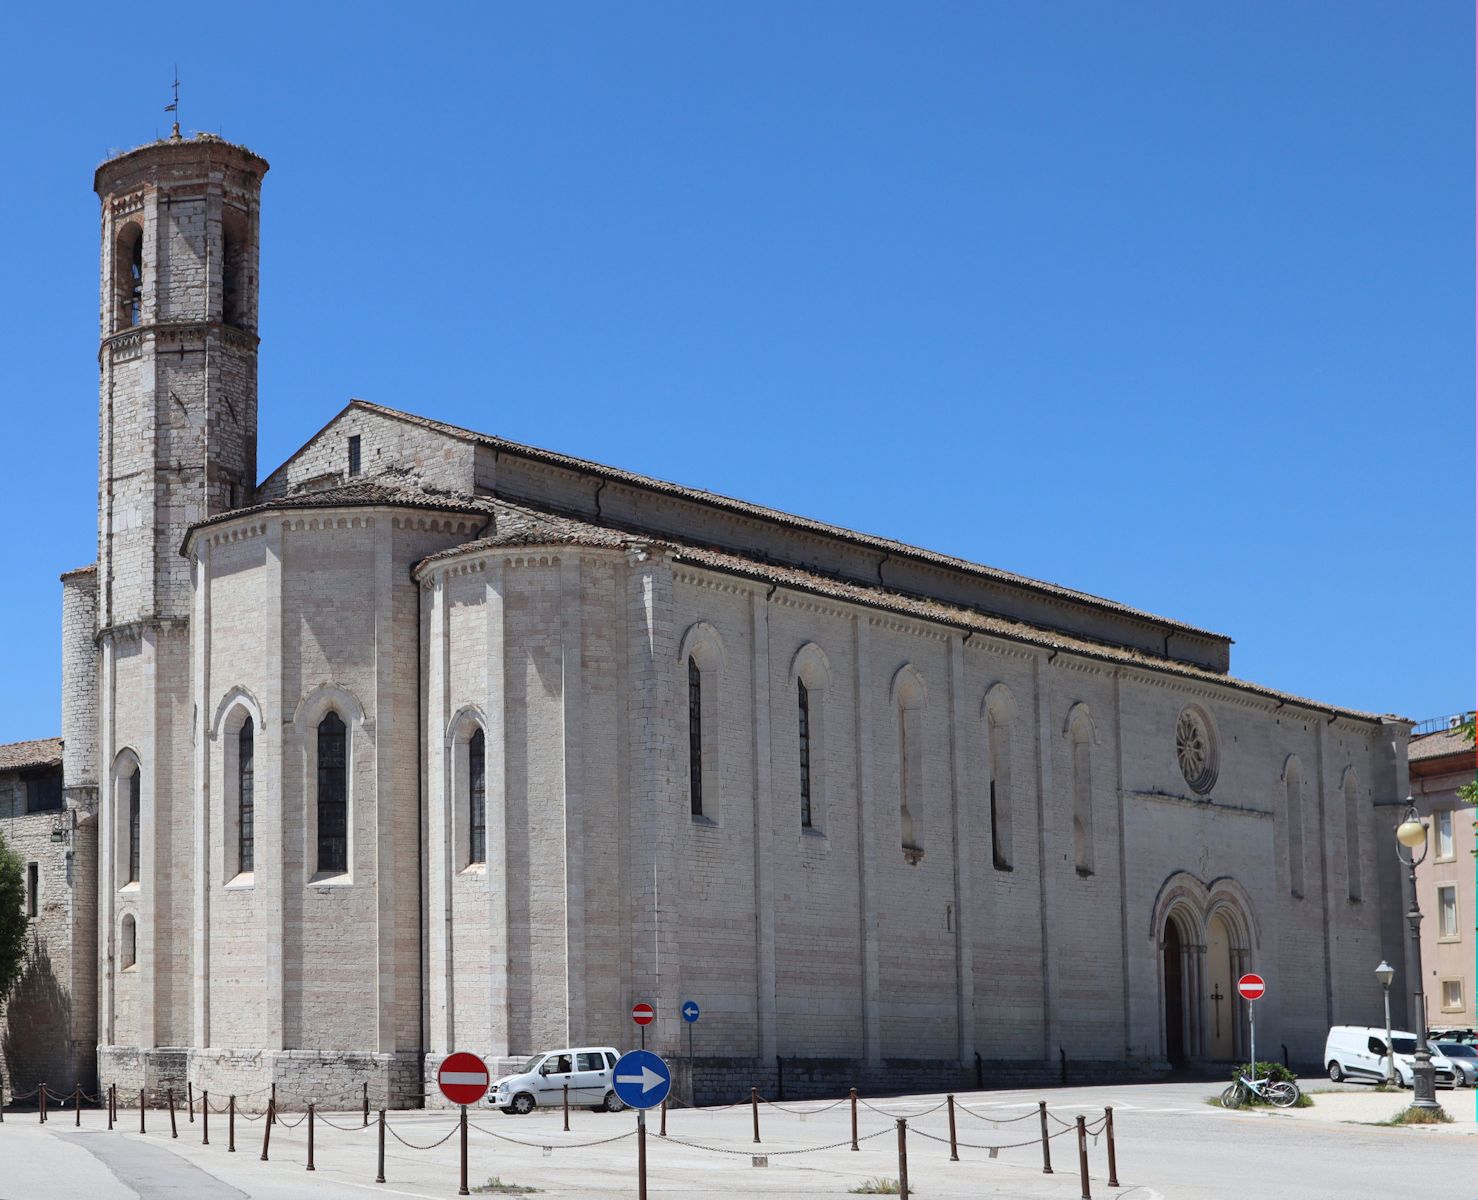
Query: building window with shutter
{"points": [[33, 889], [695, 737], [803, 700]]}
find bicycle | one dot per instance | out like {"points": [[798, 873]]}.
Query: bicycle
{"points": [[1243, 1090]]}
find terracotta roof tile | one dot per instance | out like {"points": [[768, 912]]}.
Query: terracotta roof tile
{"points": [[44, 752], [1439, 745]]}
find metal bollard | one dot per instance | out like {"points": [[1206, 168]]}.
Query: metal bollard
{"points": [[366, 1102], [141, 1111], [231, 1125], [205, 1118], [1108, 1125], [190, 1095], [954, 1149], [662, 1132], [108, 1104], [754, 1104], [854, 1118], [380, 1170], [2, 1102], [567, 1108], [267, 1127], [272, 1106], [1046, 1145], [462, 1190], [169, 1099], [77, 1103], [903, 1158], [311, 1167], [1083, 1157], [41, 1106]]}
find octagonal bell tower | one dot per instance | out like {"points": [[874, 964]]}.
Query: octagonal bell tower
{"points": [[178, 361], [177, 444]]}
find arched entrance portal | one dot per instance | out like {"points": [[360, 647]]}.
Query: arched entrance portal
{"points": [[1175, 1021], [1205, 939]]}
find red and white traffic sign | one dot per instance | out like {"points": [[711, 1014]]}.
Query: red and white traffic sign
{"points": [[1251, 987], [462, 1077], [642, 1014]]}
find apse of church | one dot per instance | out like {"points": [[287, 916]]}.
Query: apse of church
{"points": [[429, 741]]}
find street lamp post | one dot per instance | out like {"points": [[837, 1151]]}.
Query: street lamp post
{"points": [[1385, 973], [1411, 833]]}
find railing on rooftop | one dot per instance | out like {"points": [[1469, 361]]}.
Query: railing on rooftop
{"points": [[1437, 724]]}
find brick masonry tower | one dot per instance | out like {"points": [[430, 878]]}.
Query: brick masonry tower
{"points": [[177, 444]]}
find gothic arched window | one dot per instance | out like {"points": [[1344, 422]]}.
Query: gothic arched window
{"points": [[333, 828], [128, 950], [134, 819], [245, 798], [998, 747], [233, 268], [1082, 747], [695, 737], [477, 808], [128, 271], [1293, 815], [1352, 833], [803, 698]]}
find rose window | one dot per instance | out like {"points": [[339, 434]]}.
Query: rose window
{"points": [[1196, 749]]}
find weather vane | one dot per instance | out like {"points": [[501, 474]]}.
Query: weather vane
{"points": [[175, 107]]}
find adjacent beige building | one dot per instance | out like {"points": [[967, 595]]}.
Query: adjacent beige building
{"points": [[431, 740], [1441, 762]]}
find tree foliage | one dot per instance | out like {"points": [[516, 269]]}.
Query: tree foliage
{"points": [[1469, 791], [13, 920]]}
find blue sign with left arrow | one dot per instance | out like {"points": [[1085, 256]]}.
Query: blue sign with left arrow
{"points": [[690, 1011], [642, 1079]]}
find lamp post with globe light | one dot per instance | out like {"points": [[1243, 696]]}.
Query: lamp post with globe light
{"points": [[1385, 973], [1412, 833]]}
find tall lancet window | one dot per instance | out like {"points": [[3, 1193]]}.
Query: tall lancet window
{"points": [[134, 818], [245, 785], [477, 793], [695, 736], [333, 828], [1082, 797], [910, 776], [803, 699], [1352, 833]]}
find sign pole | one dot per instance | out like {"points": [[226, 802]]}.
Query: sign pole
{"points": [[1252, 1038], [641, 1154]]}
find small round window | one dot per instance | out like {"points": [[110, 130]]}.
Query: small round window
{"points": [[1195, 748]]}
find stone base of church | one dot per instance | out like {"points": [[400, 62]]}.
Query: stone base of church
{"points": [[333, 1079]]}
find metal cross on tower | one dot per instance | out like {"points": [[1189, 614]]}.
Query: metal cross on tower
{"points": [[175, 107]]}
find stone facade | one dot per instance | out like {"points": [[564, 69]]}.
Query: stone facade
{"points": [[48, 1023], [436, 741]]}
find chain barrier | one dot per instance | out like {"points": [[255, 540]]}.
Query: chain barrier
{"points": [[552, 1145], [1036, 1141], [994, 1120], [343, 1128], [749, 1151], [277, 1113], [413, 1145], [806, 1112], [910, 1116]]}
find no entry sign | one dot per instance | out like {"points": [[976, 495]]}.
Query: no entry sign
{"points": [[1251, 987], [642, 1014], [462, 1077]]}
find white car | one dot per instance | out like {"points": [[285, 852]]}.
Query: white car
{"points": [[1464, 1059], [541, 1082], [1359, 1052]]}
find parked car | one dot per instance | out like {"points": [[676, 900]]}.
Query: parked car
{"points": [[1464, 1059], [1359, 1052], [1468, 1037], [540, 1082]]}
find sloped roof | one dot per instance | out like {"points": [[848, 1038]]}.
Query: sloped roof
{"points": [[778, 516], [1440, 745], [522, 525], [19, 756]]}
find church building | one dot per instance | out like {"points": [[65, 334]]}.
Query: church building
{"points": [[427, 740]]}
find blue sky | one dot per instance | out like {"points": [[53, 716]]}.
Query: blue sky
{"points": [[1168, 302]]}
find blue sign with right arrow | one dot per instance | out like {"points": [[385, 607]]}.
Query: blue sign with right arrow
{"points": [[642, 1079], [690, 1011]]}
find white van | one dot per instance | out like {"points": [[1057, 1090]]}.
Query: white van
{"points": [[541, 1081], [1359, 1052]]}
